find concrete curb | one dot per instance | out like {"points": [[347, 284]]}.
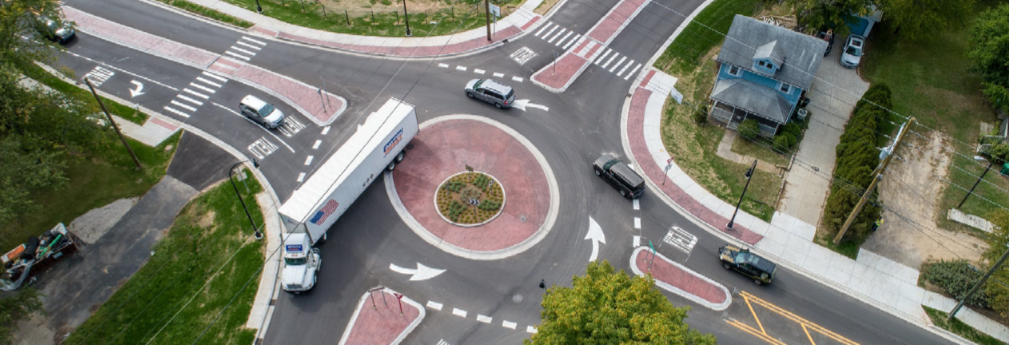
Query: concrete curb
{"points": [[422, 312], [435, 241], [678, 291]]}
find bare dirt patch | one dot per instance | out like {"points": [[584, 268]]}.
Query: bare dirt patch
{"points": [[910, 191]]}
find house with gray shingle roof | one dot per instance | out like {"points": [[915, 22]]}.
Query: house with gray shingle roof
{"points": [[763, 72]]}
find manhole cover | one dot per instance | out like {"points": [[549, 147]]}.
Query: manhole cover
{"points": [[517, 298], [522, 217]]}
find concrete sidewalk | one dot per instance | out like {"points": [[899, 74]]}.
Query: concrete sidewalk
{"points": [[511, 26], [874, 279]]}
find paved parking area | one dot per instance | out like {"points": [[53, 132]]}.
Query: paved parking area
{"points": [[832, 97]]}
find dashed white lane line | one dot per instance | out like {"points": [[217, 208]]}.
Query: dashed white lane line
{"points": [[479, 71], [301, 177], [517, 79], [637, 204], [484, 318], [537, 34], [434, 305], [201, 87], [460, 68], [319, 142], [248, 45], [208, 82], [531, 329], [563, 30], [601, 57], [308, 161], [509, 324], [628, 76], [183, 97], [443, 65], [178, 112], [459, 312], [618, 64], [498, 75], [194, 93], [325, 130], [572, 41], [637, 241], [254, 41], [637, 223], [183, 106], [222, 79], [240, 56], [559, 43]]}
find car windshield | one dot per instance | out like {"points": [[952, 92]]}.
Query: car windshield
{"points": [[478, 83], [853, 51], [266, 110], [295, 262]]}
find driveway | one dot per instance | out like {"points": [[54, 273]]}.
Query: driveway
{"points": [[832, 97]]}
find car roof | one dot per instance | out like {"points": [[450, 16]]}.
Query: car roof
{"points": [[253, 102], [629, 175], [493, 85]]}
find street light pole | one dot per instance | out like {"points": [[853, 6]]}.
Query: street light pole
{"points": [[975, 183], [749, 175], [259, 8], [407, 19], [231, 171]]}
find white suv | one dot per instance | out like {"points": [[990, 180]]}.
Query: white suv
{"points": [[852, 53]]}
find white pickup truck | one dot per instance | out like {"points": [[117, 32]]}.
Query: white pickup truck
{"points": [[377, 144]]}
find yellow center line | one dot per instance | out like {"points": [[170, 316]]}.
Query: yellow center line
{"points": [[746, 328], [807, 334], [789, 315], [754, 315]]}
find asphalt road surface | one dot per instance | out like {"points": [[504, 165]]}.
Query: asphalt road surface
{"points": [[579, 125]]}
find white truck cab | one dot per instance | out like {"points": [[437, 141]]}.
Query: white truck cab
{"points": [[301, 264]]}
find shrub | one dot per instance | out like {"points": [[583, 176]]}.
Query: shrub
{"points": [[749, 129], [489, 205], [1000, 152], [957, 278], [784, 142], [793, 128], [700, 116]]}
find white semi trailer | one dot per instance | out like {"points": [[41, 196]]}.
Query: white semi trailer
{"points": [[376, 145]]}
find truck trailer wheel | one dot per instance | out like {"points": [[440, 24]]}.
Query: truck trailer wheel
{"points": [[392, 166], [399, 157]]}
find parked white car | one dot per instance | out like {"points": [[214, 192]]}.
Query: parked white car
{"points": [[852, 53]]}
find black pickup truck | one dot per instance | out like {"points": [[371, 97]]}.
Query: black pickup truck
{"points": [[749, 264]]}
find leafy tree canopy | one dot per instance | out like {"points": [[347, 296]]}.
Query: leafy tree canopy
{"points": [[831, 14], [14, 308], [606, 306], [920, 19], [990, 54]]}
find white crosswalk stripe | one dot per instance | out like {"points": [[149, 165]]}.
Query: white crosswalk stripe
{"points": [[242, 50], [601, 57], [194, 93], [240, 56], [622, 70], [198, 103], [610, 60], [551, 40], [183, 106], [635, 70], [247, 45], [537, 34], [177, 112], [618, 64], [572, 41], [561, 42], [208, 82], [201, 87], [254, 41], [215, 76], [549, 32]]}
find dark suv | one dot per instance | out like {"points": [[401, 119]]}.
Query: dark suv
{"points": [[490, 91], [749, 264], [620, 176]]}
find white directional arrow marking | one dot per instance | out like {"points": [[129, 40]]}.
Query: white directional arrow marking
{"points": [[596, 235], [522, 104], [139, 91], [421, 273]]}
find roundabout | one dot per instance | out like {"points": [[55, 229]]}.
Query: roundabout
{"points": [[462, 219]]}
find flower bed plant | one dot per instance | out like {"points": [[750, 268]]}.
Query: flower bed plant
{"points": [[470, 198]]}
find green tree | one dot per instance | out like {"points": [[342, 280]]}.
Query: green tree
{"points": [[919, 19], [823, 14], [990, 54], [609, 307], [15, 308]]}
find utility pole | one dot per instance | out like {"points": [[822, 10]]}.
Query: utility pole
{"points": [[407, 18], [975, 183], [749, 176], [977, 286], [114, 125], [875, 178], [231, 171], [486, 4]]}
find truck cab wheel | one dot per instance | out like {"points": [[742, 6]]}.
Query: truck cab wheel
{"points": [[324, 238]]}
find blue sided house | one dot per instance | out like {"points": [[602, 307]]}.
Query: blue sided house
{"points": [[763, 71]]}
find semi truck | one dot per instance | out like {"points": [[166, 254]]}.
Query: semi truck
{"points": [[376, 145]]}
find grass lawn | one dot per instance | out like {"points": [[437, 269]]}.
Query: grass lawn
{"points": [[932, 80], [377, 22], [959, 328], [761, 150], [690, 58], [54, 82], [206, 267], [208, 12]]}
